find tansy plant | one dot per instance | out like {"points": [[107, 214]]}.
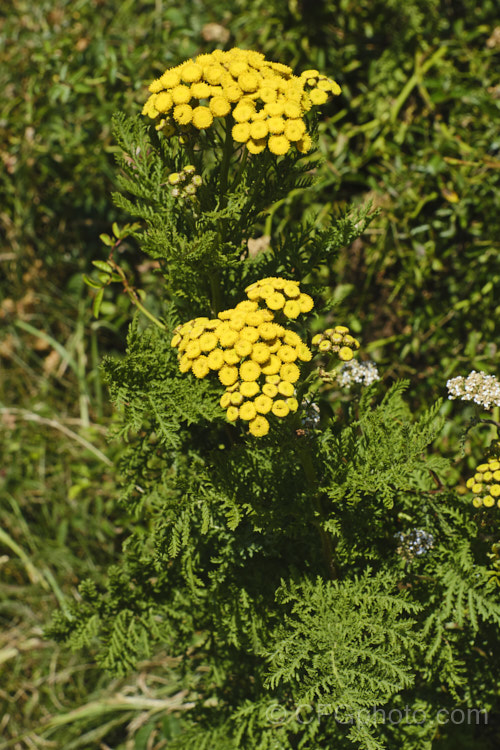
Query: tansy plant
{"points": [[292, 540]]}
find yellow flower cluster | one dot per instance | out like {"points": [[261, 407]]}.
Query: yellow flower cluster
{"points": [[337, 340], [184, 183], [255, 356], [485, 484], [266, 101]]}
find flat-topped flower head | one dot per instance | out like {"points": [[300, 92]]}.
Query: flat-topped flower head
{"points": [[337, 341], [485, 484], [243, 85], [254, 357], [478, 387]]}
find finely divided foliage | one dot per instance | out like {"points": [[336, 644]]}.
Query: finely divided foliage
{"points": [[273, 513]]}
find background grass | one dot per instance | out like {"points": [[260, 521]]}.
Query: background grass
{"points": [[415, 131]]}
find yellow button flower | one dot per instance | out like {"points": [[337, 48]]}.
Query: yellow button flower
{"points": [[231, 357], [280, 408], [237, 322], [191, 72], [247, 306], [260, 353], [273, 366], [279, 145], [258, 426], [249, 370], [286, 389], [318, 96], [243, 113], [290, 372], [249, 81], [268, 330], [228, 375], [202, 117], [200, 90], [181, 94], [241, 132], [170, 79], [295, 129], [193, 349], [233, 93], [200, 367], [225, 400], [247, 411], [219, 106], [275, 301], [227, 337], [236, 398], [276, 125], [208, 341], [249, 388], [292, 309], [293, 404], [215, 359], [305, 144], [287, 353], [185, 364], [306, 303], [304, 353], [345, 353], [291, 289], [249, 334], [243, 347], [163, 102], [263, 404], [258, 130], [213, 73], [292, 109], [269, 389], [183, 114], [232, 413]]}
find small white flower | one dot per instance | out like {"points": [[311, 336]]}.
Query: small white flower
{"points": [[352, 372], [479, 387]]}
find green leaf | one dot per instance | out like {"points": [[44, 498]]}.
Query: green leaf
{"points": [[97, 302], [90, 282], [106, 239], [102, 265]]}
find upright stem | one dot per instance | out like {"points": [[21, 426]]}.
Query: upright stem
{"points": [[326, 540], [226, 160], [215, 290], [227, 150]]}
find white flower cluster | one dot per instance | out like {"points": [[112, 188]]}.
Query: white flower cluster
{"points": [[479, 387], [351, 372], [414, 543]]}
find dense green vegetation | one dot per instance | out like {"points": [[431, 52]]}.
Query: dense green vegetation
{"points": [[414, 131]]}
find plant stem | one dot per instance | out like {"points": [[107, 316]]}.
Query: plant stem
{"points": [[215, 289], [134, 297], [226, 160], [135, 300], [326, 540]]}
